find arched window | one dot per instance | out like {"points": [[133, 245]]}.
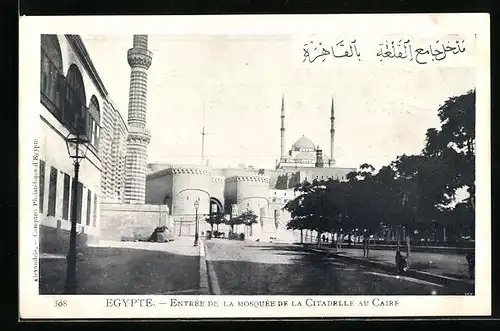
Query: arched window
{"points": [[51, 74], [93, 121], [75, 111]]}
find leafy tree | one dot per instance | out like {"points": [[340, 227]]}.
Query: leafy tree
{"points": [[248, 218], [309, 210], [232, 221], [215, 218], [453, 144]]}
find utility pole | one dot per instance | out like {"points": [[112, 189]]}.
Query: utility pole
{"points": [[203, 134]]}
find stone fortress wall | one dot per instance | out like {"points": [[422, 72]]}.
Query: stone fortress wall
{"points": [[263, 191]]}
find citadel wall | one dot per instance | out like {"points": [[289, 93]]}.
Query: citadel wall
{"points": [[188, 185], [217, 188], [159, 189], [132, 220]]}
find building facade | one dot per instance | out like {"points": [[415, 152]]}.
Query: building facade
{"points": [[72, 98], [113, 151]]}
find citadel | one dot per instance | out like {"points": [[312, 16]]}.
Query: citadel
{"points": [[118, 192], [235, 190]]}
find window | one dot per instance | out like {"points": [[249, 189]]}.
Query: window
{"points": [[89, 204], [75, 112], [51, 210], [79, 193], [93, 122], [41, 188], [94, 214], [51, 75], [65, 211]]}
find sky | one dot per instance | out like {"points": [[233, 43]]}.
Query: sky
{"points": [[233, 86]]}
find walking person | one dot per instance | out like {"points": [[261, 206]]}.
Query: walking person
{"points": [[401, 264]]}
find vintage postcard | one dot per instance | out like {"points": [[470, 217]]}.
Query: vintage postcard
{"points": [[283, 166]]}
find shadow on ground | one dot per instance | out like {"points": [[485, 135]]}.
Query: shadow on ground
{"points": [[112, 270], [299, 271]]}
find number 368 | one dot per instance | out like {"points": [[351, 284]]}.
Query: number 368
{"points": [[60, 303]]}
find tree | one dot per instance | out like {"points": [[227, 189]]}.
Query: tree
{"points": [[232, 221], [248, 218], [309, 209], [215, 218], [454, 143]]}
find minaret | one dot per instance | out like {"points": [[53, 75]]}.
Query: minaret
{"points": [[139, 58], [332, 135], [282, 130]]}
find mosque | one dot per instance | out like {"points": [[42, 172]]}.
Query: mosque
{"points": [[235, 190]]}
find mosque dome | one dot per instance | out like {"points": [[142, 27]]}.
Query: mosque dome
{"points": [[303, 143]]}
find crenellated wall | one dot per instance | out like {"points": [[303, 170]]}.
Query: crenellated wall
{"points": [[248, 192], [188, 185]]}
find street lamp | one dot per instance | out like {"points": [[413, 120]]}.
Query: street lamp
{"points": [[77, 144], [196, 206]]}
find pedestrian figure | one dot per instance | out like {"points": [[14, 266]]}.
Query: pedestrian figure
{"points": [[471, 261], [401, 264]]}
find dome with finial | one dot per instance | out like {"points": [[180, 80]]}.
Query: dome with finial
{"points": [[303, 144]]}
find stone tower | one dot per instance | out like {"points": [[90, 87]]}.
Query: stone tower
{"points": [[139, 58], [282, 129], [332, 135]]}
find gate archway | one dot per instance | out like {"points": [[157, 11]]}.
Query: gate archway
{"points": [[216, 205]]}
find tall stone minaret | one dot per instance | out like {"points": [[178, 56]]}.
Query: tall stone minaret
{"points": [[139, 58], [332, 135], [282, 130]]}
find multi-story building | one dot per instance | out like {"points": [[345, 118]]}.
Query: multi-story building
{"points": [[114, 136], [72, 97]]}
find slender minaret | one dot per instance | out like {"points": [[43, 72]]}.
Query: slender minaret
{"points": [[332, 135], [139, 58], [282, 130]]}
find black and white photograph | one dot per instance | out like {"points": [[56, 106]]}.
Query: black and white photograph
{"points": [[241, 170]]}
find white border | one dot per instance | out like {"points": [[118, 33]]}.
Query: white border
{"points": [[33, 305]]}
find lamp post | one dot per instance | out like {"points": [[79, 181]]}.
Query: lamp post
{"points": [[77, 144], [196, 206]]}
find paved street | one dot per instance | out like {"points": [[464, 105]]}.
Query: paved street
{"points": [[244, 268], [451, 264], [129, 268]]}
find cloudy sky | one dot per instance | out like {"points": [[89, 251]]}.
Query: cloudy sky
{"points": [[233, 86]]}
